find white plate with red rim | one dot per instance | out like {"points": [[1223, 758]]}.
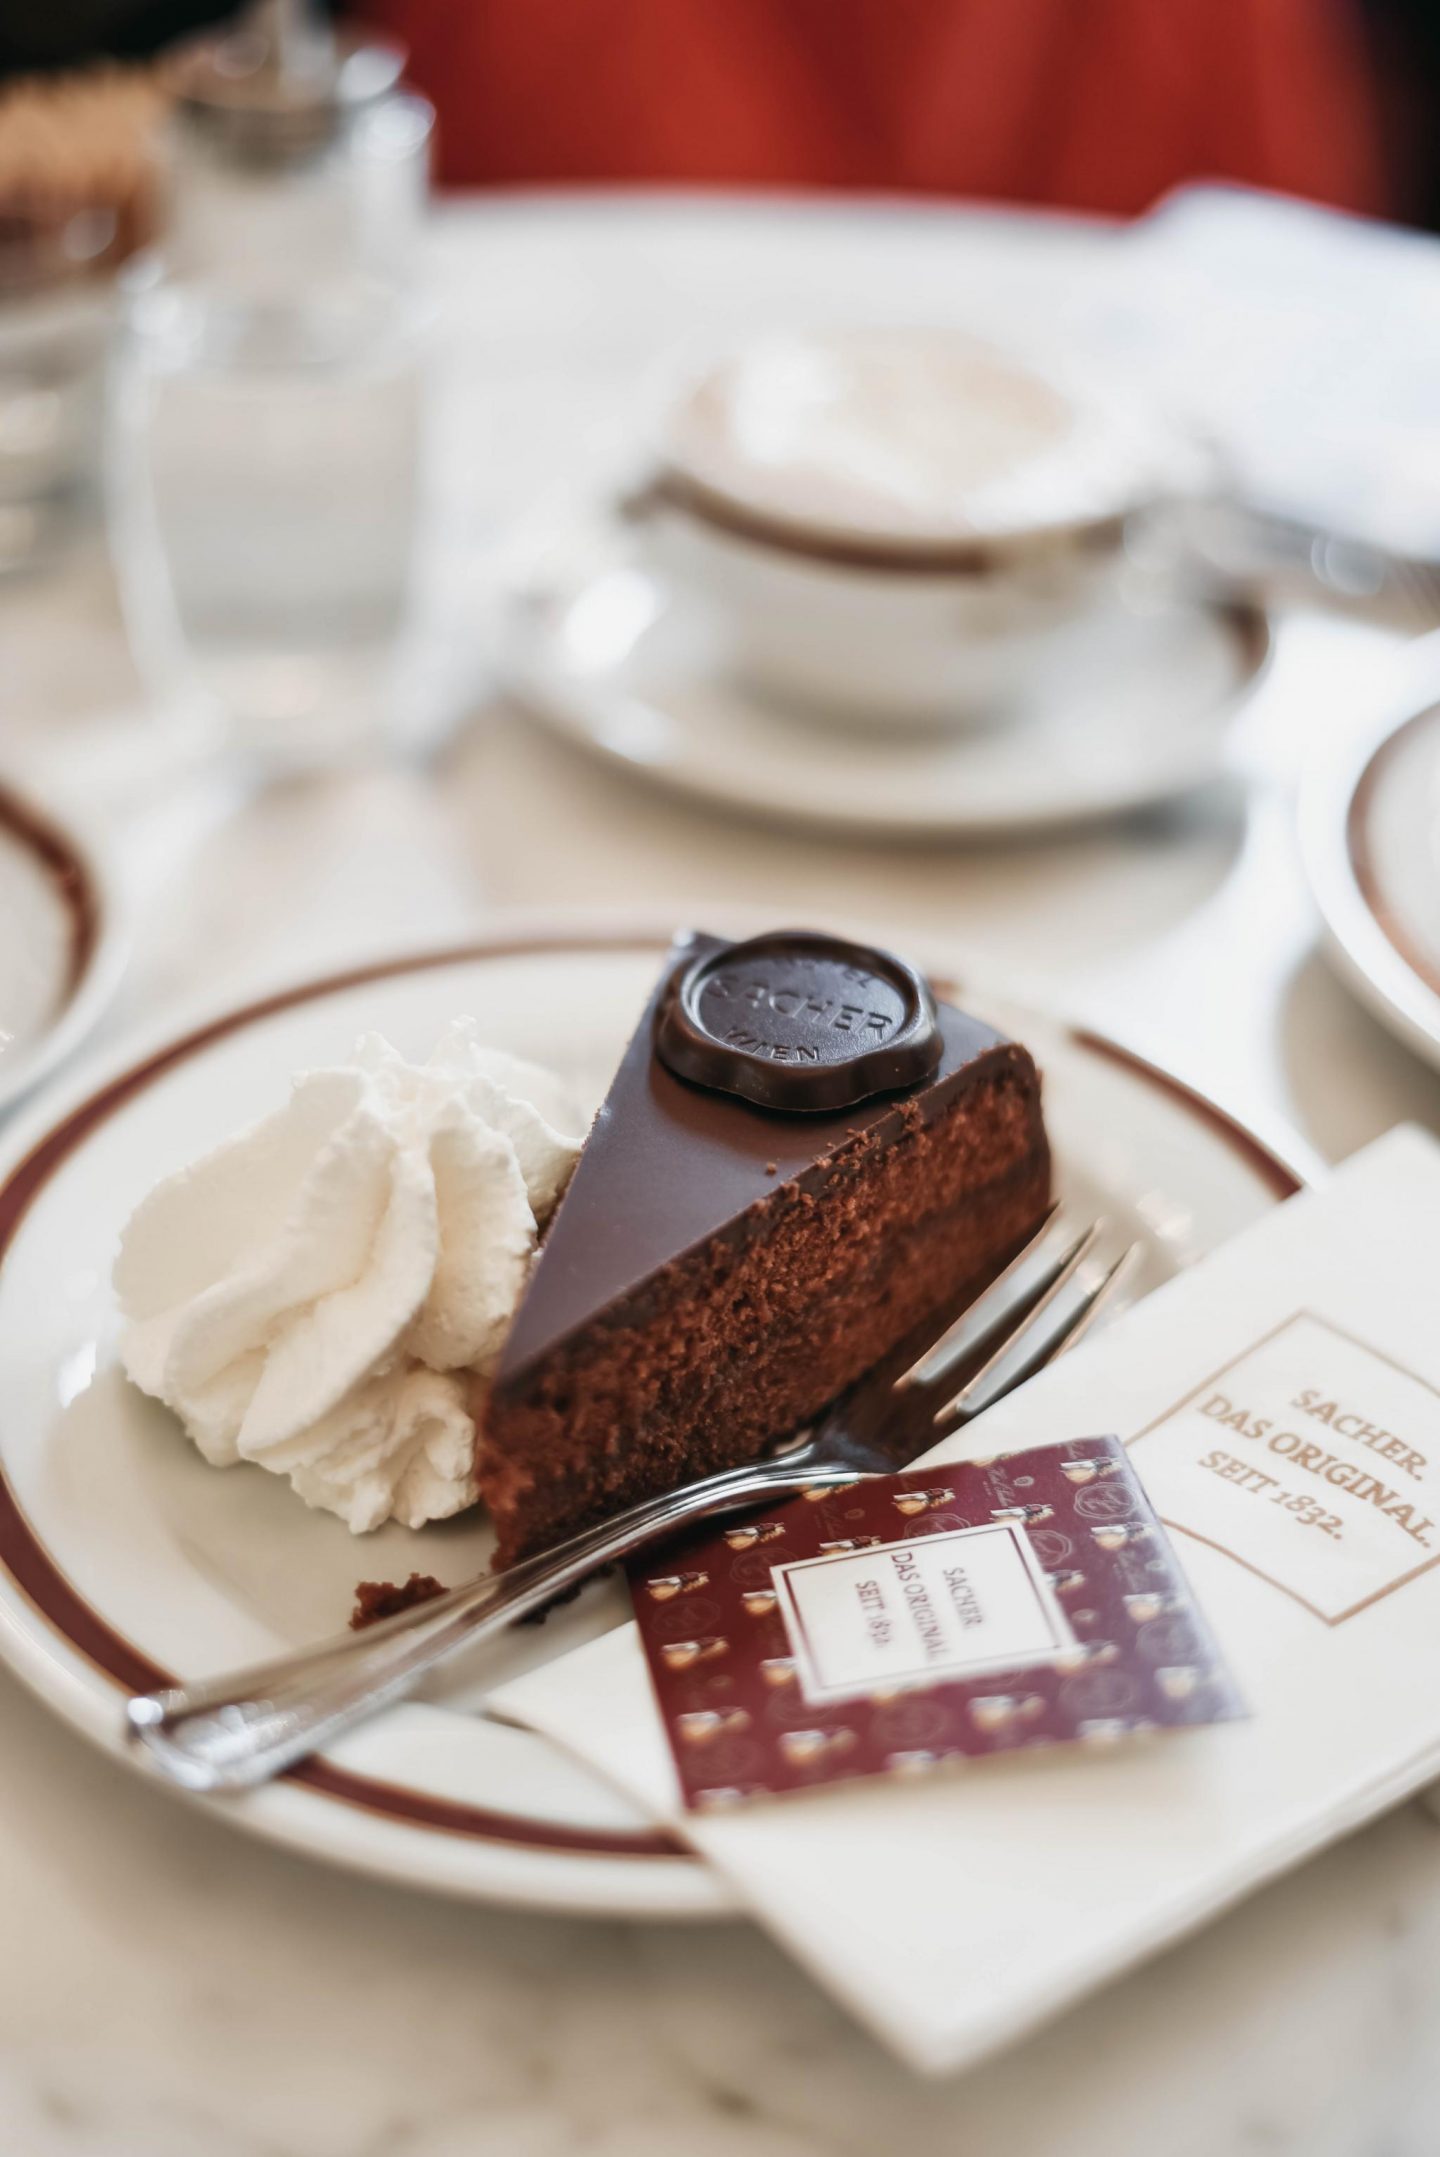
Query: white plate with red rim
{"points": [[125, 1559], [61, 945], [1370, 825]]}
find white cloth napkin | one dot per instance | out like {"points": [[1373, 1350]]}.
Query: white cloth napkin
{"points": [[1301, 342], [953, 1914]]}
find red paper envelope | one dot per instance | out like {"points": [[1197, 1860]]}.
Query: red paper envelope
{"points": [[907, 1622]]}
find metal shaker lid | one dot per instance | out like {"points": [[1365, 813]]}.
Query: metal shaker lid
{"points": [[282, 86]]}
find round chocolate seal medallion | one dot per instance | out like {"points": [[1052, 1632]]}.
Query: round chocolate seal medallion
{"points": [[799, 1021]]}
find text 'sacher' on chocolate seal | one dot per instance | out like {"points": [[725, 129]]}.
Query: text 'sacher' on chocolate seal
{"points": [[800, 1022]]}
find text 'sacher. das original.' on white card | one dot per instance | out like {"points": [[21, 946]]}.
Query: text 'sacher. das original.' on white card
{"points": [[1280, 1406]]}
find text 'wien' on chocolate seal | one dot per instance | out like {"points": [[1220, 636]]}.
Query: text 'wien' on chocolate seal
{"points": [[799, 1022]]}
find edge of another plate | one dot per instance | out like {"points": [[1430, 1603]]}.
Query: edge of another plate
{"points": [[1369, 947], [78, 866]]}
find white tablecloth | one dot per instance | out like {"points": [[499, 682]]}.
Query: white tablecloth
{"points": [[171, 1990]]}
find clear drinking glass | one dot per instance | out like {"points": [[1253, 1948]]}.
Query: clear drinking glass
{"points": [[268, 413], [56, 312]]}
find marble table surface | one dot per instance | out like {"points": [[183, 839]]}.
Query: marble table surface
{"points": [[171, 1989]]}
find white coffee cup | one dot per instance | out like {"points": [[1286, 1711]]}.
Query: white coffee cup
{"points": [[896, 525]]}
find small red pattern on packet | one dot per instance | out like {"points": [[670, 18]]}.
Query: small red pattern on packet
{"points": [[905, 1623]]}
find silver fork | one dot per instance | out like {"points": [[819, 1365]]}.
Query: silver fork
{"points": [[232, 1732]]}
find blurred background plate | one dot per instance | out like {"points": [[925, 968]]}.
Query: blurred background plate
{"points": [[124, 1557], [61, 942], [1139, 712]]}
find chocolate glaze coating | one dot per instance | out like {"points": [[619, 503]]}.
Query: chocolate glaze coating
{"points": [[669, 1164]]}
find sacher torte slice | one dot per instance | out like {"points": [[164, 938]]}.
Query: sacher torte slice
{"points": [[801, 1155]]}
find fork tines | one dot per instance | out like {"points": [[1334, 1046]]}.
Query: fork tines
{"points": [[1038, 1308]]}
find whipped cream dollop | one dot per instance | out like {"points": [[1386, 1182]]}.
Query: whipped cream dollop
{"points": [[320, 1293]]}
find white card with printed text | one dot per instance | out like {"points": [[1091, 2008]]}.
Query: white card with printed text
{"points": [[1281, 1403]]}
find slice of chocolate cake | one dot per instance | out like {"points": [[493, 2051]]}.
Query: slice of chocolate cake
{"points": [[799, 1157]]}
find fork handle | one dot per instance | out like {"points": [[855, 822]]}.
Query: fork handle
{"points": [[233, 1732]]}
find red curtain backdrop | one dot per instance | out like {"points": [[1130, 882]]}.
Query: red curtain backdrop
{"points": [[1098, 104]]}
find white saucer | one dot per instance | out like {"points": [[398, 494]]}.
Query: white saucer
{"points": [[1370, 825], [594, 643], [124, 1557], [61, 949]]}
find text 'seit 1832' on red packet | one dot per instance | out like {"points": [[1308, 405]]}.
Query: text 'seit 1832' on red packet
{"points": [[905, 1623]]}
